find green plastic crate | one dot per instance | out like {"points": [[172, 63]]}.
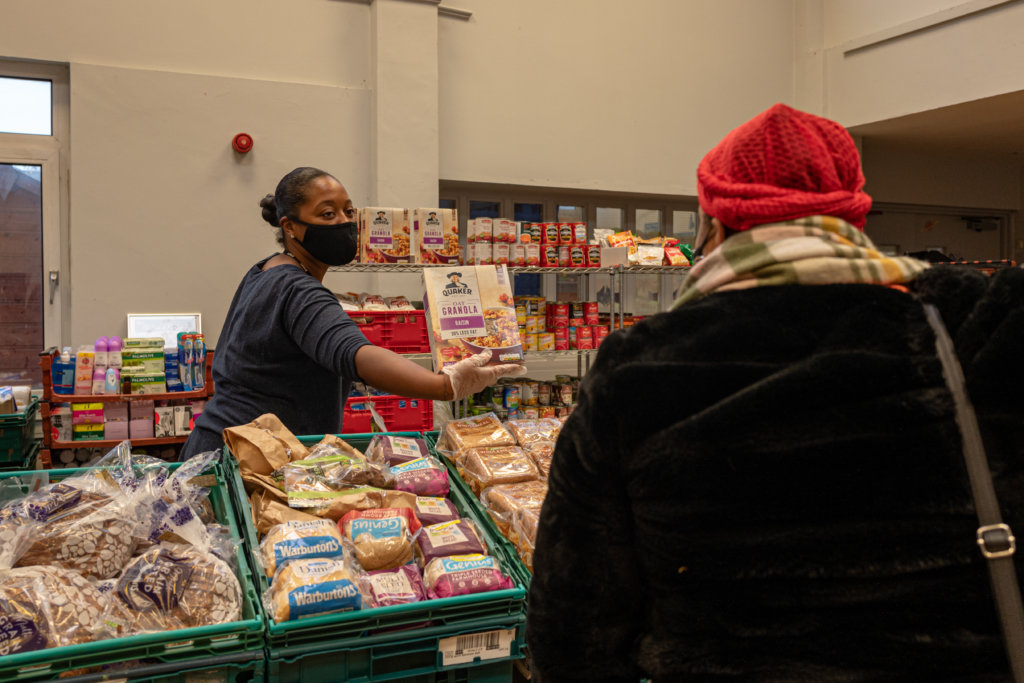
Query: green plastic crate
{"points": [[411, 660], [504, 547], [16, 433], [27, 464], [376, 642], [176, 650]]}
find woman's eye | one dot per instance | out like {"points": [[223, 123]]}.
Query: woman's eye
{"points": [[350, 212], [327, 215]]}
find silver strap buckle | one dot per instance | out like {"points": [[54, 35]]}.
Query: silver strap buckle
{"points": [[996, 540]]}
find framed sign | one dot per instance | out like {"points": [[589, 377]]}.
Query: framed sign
{"points": [[165, 325]]}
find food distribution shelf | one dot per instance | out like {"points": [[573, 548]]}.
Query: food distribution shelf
{"points": [[521, 270], [108, 398], [178, 650], [110, 443]]}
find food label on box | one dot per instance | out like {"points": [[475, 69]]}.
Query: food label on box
{"points": [[470, 308], [445, 534]]}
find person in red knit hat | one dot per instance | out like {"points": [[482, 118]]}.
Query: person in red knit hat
{"points": [[766, 482]]}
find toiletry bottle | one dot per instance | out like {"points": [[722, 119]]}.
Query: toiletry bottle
{"points": [[59, 375], [101, 352], [114, 345], [185, 360], [99, 381], [198, 362], [112, 381], [68, 382]]}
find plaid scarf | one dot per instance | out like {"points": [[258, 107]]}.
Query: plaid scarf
{"points": [[816, 250]]}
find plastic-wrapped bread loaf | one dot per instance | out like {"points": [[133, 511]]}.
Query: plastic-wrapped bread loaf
{"points": [[477, 431], [541, 452], [307, 587], [44, 607], [527, 432], [489, 466], [174, 586], [523, 533], [296, 540], [505, 499]]}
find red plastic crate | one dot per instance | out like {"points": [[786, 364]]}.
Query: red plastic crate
{"points": [[400, 414], [400, 331]]}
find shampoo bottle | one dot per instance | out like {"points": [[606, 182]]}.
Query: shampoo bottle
{"points": [[63, 381], [112, 381]]}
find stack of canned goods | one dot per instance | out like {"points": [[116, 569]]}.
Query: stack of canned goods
{"points": [[528, 399], [559, 326]]}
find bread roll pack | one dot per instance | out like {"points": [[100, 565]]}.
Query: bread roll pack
{"points": [[503, 500], [294, 540], [469, 309], [306, 588], [473, 432]]}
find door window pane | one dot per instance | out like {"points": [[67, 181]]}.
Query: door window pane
{"points": [[25, 106], [446, 203], [483, 209], [610, 218], [571, 213], [684, 226], [21, 274], [533, 213], [648, 222]]}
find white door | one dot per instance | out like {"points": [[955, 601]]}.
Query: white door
{"points": [[33, 223]]}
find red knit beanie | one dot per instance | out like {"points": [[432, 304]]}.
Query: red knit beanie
{"points": [[781, 165]]}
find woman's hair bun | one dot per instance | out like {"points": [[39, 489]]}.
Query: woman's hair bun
{"points": [[270, 210]]}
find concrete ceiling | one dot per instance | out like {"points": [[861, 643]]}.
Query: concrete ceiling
{"points": [[994, 125]]}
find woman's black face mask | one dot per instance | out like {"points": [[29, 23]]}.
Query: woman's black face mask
{"points": [[335, 244]]}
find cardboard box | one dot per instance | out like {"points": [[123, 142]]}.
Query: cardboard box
{"points": [[436, 235], [140, 429], [87, 432], [182, 420], [163, 421], [385, 235], [156, 343], [86, 413], [142, 361], [142, 410], [470, 309], [115, 411], [149, 384], [116, 430], [60, 423]]}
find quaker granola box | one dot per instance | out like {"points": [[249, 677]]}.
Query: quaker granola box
{"points": [[385, 236], [436, 234], [470, 308]]}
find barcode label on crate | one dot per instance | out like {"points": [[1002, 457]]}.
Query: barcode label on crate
{"points": [[487, 645]]}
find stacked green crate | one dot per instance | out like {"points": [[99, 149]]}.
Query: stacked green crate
{"points": [[16, 435], [413, 642], [233, 649]]}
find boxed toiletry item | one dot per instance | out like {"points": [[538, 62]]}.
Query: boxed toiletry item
{"points": [[60, 422], [182, 420], [86, 413], [87, 432], [148, 384], [142, 361], [140, 429], [143, 343], [385, 236], [163, 421], [117, 430]]}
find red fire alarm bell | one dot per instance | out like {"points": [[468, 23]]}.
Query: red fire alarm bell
{"points": [[242, 143]]}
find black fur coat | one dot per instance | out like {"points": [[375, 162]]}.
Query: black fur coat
{"points": [[768, 485]]}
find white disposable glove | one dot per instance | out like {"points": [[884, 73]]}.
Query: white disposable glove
{"points": [[472, 374]]}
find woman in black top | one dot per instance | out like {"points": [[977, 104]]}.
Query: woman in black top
{"points": [[287, 347]]}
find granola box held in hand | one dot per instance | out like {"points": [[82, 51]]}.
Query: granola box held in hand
{"points": [[470, 308]]}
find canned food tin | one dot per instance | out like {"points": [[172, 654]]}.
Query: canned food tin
{"points": [[533, 254], [577, 257], [549, 256], [564, 256], [579, 233], [546, 342], [528, 394], [544, 394], [530, 412], [549, 233], [530, 342], [565, 233], [547, 411]]}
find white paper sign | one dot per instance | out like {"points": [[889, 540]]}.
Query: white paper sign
{"points": [[483, 646]]}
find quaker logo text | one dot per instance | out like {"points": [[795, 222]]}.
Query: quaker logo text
{"points": [[456, 287], [381, 218], [432, 218]]}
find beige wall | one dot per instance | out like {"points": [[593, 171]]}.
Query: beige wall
{"points": [[605, 95], [934, 53], [164, 215]]}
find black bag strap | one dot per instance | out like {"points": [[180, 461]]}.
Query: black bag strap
{"points": [[995, 539]]}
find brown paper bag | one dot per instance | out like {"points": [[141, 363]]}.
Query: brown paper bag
{"points": [[363, 498], [263, 445], [265, 483], [267, 512], [339, 443]]}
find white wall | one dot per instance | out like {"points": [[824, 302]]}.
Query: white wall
{"points": [[164, 215], [931, 58], [605, 95]]}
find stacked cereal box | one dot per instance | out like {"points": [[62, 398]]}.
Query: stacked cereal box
{"points": [[470, 308], [384, 236], [436, 235]]}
